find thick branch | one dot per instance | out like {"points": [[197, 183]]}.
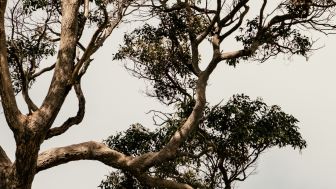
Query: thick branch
{"points": [[236, 54], [72, 120], [83, 151], [13, 115], [170, 150], [61, 82]]}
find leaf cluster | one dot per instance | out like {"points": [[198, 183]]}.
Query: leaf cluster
{"points": [[222, 150], [162, 55], [279, 38]]}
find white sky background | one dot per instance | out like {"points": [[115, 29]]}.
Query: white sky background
{"points": [[115, 100]]}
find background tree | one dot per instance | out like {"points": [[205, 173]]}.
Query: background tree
{"points": [[168, 55]]}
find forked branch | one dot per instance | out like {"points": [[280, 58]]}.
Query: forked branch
{"points": [[72, 120]]}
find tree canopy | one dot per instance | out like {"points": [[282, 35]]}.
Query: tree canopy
{"points": [[200, 145], [221, 151]]}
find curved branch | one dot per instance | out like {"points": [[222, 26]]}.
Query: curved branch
{"points": [[232, 13], [42, 72], [25, 89], [84, 151], [72, 120], [170, 150], [101, 34], [236, 26], [209, 28], [13, 115]]}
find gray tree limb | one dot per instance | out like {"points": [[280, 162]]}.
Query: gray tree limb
{"points": [[61, 82], [72, 120], [84, 151]]}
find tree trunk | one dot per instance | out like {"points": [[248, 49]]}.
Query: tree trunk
{"points": [[21, 173]]}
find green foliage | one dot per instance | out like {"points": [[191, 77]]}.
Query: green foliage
{"points": [[30, 6], [162, 56], [25, 54], [223, 150], [279, 38]]}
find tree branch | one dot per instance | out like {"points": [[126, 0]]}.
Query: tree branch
{"points": [[61, 82], [84, 151], [35, 75], [12, 113], [232, 13], [236, 26], [4, 159], [162, 183], [72, 120], [101, 34], [169, 151], [206, 32]]}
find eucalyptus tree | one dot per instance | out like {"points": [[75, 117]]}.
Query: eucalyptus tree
{"points": [[222, 150], [167, 55]]}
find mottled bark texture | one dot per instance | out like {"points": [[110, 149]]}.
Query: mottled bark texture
{"points": [[30, 130]]}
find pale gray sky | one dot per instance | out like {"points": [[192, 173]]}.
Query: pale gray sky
{"points": [[115, 100]]}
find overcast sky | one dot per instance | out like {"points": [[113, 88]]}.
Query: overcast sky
{"points": [[115, 100]]}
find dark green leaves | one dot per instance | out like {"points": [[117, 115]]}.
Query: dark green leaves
{"points": [[161, 55], [223, 149], [274, 39]]}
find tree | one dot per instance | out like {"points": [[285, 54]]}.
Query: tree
{"points": [[167, 55], [222, 150]]}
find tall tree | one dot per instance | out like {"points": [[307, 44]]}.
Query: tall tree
{"points": [[168, 55]]}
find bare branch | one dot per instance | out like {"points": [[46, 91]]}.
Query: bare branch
{"points": [[42, 71], [236, 26], [13, 115], [86, 8], [206, 32], [72, 120], [31, 105], [84, 151], [232, 13], [101, 34]]}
